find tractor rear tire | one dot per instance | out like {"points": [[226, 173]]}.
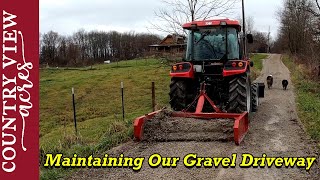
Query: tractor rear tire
{"points": [[255, 96], [179, 95], [239, 94]]}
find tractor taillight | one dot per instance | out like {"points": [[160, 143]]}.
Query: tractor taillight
{"points": [[182, 70], [174, 68], [234, 64], [180, 67]]}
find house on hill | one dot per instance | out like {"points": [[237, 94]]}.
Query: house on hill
{"points": [[173, 43]]}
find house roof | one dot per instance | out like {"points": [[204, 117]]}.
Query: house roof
{"points": [[171, 40]]}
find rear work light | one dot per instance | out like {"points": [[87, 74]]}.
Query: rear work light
{"points": [[223, 23]]}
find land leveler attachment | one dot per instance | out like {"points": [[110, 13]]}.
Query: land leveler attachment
{"points": [[240, 127]]}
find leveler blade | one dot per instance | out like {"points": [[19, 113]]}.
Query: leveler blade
{"points": [[241, 128], [240, 124], [138, 124]]}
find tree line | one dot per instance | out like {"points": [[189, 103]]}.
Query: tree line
{"points": [[86, 48], [299, 32]]}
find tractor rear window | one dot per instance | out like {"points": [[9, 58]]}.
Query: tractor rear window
{"points": [[211, 44]]}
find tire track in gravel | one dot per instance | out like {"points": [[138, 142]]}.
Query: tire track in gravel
{"points": [[275, 130]]}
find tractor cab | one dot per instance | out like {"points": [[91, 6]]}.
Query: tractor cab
{"points": [[213, 40], [214, 50]]}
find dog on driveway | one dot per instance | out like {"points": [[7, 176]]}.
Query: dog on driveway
{"points": [[285, 84], [269, 81]]}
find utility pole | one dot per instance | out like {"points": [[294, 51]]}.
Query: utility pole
{"points": [[268, 50], [244, 31]]}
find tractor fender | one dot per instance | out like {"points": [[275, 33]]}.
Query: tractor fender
{"points": [[227, 73]]}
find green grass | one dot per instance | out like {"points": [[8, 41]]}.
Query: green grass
{"points": [[256, 58], [307, 98], [257, 64], [98, 105]]}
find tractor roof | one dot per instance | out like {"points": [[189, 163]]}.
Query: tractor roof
{"points": [[213, 22]]}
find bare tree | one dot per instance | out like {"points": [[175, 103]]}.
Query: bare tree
{"points": [[249, 23], [177, 12], [80, 40], [50, 42], [260, 44], [299, 32], [313, 8]]}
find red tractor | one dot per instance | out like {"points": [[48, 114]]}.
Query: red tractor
{"points": [[213, 82], [215, 64]]}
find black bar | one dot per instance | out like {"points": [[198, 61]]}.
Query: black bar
{"points": [[153, 97], [244, 31], [74, 112], [122, 99]]}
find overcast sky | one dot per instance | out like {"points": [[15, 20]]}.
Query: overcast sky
{"points": [[68, 16]]}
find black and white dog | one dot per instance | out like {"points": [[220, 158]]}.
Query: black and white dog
{"points": [[269, 81]]}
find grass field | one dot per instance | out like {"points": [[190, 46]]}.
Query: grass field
{"points": [[98, 105], [257, 64], [307, 98]]}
